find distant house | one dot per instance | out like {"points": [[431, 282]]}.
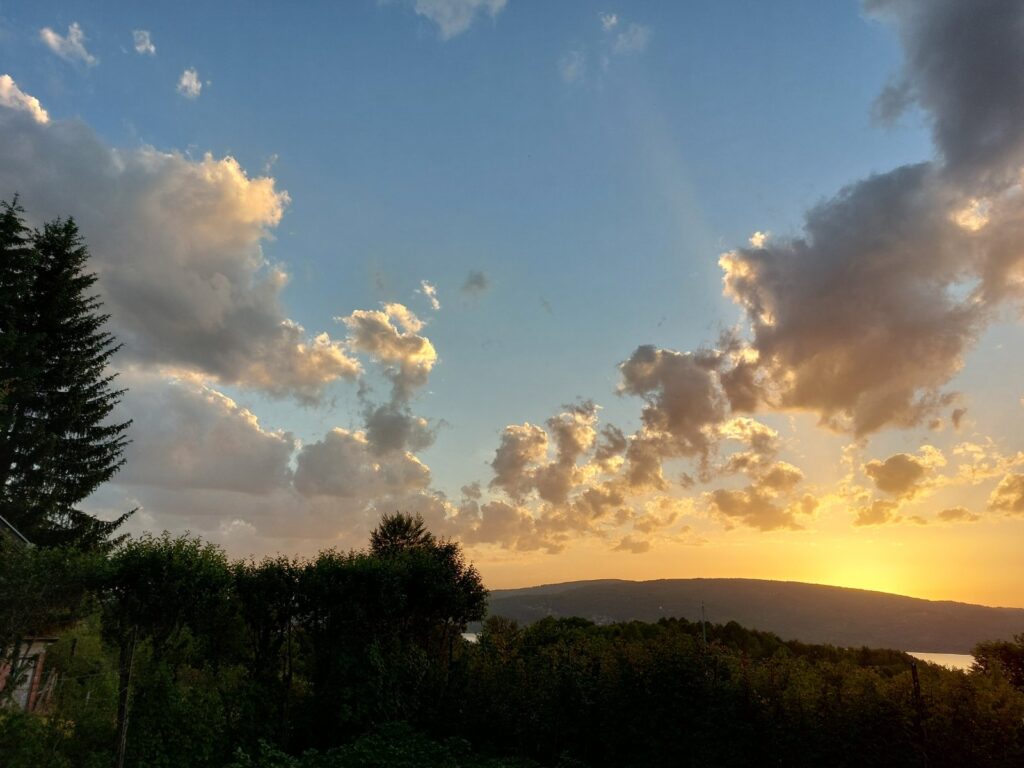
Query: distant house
{"points": [[31, 688]]}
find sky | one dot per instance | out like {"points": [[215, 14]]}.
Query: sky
{"points": [[602, 290]]}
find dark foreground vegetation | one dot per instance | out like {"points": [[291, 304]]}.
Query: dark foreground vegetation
{"points": [[356, 659]]}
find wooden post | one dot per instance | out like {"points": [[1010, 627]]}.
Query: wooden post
{"points": [[124, 700]]}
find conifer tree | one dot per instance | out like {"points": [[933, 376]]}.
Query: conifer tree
{"points": [[57, 444]]}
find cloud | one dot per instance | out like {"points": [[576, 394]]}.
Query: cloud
{"points": [[633, 545], [475, 283], [1008, 496], [142, 42], [391, 336], [344, 465], [633, 39], [866, 316], [683, 400], [958, 515], [877, 513], [390, 427], [12, 97], [757, 507], [522, 445], [430, 291], [964, 66], [189, 84], [187, 435], [572, 67], [177, 244], [69, 48], [453, 17], [859, 319], [898, 475]]}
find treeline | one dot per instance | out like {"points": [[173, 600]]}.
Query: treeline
{"points": [[356, 659]]}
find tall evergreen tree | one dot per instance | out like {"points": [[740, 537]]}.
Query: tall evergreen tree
{"points": [[57, 444]]}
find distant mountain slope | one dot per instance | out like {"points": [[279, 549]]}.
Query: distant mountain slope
{"points": [[812, 613]]}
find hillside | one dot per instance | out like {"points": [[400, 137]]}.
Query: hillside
{"points": [[812, 613]]}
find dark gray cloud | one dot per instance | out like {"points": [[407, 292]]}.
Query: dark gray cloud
{"points": [[964, 65]]}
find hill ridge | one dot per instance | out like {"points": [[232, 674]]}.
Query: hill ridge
{"points": [[814, 613]]}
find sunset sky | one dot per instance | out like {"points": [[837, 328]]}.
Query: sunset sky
{"points": [[637, 290]]}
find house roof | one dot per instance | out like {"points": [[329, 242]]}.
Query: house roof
{"points": [[14, 533]]}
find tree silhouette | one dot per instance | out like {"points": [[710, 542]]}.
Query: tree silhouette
{"points": [[400, 532], [57, 444]]}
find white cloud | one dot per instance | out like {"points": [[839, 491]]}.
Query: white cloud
{"points": [[453, 17], [430, 291], [70, 47], [189, 84], [143, 43], [12, 97], [608, 21]]}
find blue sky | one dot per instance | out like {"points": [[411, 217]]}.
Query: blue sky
{"points": [[592, 162]]}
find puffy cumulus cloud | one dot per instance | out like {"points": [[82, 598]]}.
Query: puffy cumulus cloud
{"points": [[573, 432], [453, 17], [958, 515], [865, 317], [391, 336], [902, 474], [390, 427], [683, 399], [609, 21], [143, 43], [12, 97], [964, 65], [757, 506], [177, 245], [476, 282], [343, 464], [186, 435], [877, 513], [522, 446], [1008, 496], [859, 320], [189, 84], [70, 47]]}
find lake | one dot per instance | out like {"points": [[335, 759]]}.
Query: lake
{"points": [[961, 661]]}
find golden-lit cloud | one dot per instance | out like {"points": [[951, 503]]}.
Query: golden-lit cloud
{"points": [[1008, 496], [12, 97]]}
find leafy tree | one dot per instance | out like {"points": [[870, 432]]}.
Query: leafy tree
{"points": [[1003, 655], [57, 444]]}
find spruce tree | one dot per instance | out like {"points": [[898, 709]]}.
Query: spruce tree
{"points": [[58, 444]]}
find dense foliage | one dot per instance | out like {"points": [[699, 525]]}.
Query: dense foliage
{"points": [[357, 659], [57, 444]]}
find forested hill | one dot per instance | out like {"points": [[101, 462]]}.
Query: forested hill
{"points": [[811, 613]]}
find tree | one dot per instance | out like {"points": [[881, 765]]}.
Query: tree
{"points": [[57, 444], [400, 532]]}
